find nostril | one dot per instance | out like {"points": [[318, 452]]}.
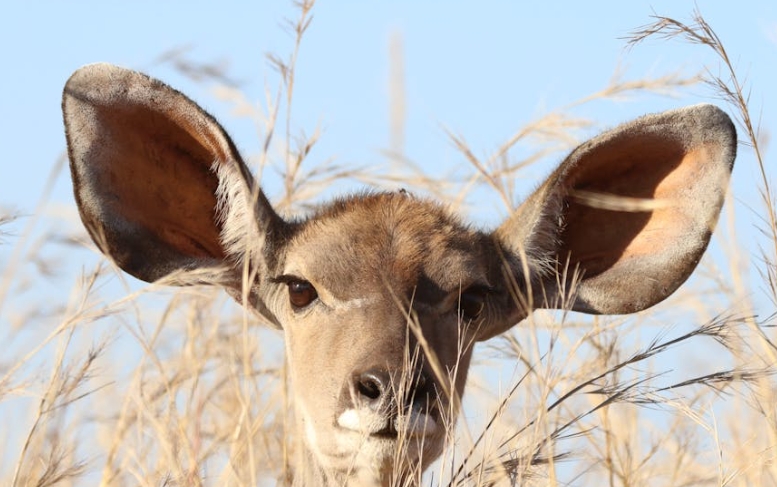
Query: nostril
{"points": [[371, 384], [420, 383], [369, 388], [420, 391]]}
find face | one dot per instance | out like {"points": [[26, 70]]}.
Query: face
{"points": [[382, 296], [380, 315]]}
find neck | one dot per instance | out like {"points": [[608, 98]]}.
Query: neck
{"points": [[309, 472]]}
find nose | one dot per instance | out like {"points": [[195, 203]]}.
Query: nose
{"points": [[375, 387], [372, 386]]}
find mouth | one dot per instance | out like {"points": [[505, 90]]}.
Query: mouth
{"points": [[373, 424], [387, 433]]}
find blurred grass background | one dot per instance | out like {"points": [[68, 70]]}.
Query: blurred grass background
{"points": [[107, 381]]}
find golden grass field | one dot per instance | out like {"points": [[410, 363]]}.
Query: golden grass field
{"points": [[154, 386]]}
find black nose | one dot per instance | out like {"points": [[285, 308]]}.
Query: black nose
{"points": [[372, 386], [376, 387]]}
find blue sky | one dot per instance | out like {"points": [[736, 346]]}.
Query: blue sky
{"points": [[482, 71]]}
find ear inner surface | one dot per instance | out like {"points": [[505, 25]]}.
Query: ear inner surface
{"points": [[144, 162], [631, 211], [648, 251], [596, 238]]}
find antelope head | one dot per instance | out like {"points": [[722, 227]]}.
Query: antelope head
{"points": [[381, 296]]}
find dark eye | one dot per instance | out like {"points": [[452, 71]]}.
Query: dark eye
{"points": [[301, 293], [471, 303]]}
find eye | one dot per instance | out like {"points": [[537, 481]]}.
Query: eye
{"points": [[301, 293], [471, 303]]}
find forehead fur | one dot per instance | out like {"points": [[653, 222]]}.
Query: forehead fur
{"points": [[387, 239]]}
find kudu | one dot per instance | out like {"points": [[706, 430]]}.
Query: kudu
{"points": [[382, 295]]}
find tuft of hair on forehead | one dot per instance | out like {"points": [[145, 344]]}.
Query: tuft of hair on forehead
{"points": [[390, 236], [399, 203], [387, 212]]}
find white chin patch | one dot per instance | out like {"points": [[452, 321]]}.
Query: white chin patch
{"points": [[368, 422]]}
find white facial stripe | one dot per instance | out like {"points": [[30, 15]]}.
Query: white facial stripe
{"points": [[355, 303], [330, 300]]}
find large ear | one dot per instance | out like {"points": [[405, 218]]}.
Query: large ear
{"points": [[626, 217], [160, 186]]}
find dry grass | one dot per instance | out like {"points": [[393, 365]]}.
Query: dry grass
{"points": [[167, 388]]}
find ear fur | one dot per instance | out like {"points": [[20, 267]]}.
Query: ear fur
{"points": [[624, 220], [159, 184]]}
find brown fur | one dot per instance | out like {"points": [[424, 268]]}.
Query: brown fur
{"points": [[380, 349]]}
